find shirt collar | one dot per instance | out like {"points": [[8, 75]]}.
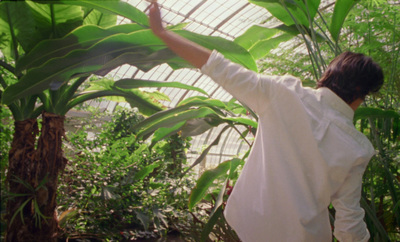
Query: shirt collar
{"points": [[335, 102]]}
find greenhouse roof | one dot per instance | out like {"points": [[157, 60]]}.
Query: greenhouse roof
{"points": [[226, 19]]}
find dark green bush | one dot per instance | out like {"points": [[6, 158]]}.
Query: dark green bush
{"points": [[116, 188], [6, 135]]}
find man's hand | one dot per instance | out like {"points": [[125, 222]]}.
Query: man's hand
{"points": [[193, 53], [155, 19]]}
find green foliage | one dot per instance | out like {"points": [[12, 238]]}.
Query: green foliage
{"points": [[72, 49], [114, 7], [211, 192], [34, 199], [381, 185], [291, 11], [320, 37], [51, 48], [120, 188], [44, 21], [117, 187], [6, 135], [204, 182], [340, 12], [374, 30], [82, 37]]}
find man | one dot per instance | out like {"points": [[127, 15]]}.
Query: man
{"points": [[307, 153]]}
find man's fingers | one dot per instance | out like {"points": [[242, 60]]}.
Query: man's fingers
{"points": [[155, 18]]}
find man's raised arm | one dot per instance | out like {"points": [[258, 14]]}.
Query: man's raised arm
{"points": [[195, 54]]}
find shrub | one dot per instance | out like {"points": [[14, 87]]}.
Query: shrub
{"points": [[116, 188]]}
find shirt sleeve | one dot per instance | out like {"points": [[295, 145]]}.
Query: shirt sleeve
{"points": [[349, 217], [243, 84]]}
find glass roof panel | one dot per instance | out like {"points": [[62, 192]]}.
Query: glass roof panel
{"points": [[227, 19]]}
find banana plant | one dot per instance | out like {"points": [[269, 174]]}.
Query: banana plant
{"points": [[194, 116], [298, 18], [23, 25], [51, 48]]}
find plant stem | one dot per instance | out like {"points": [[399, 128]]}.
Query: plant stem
{"points": [[330, 42], [3, 82], [7, 66], [313, 58], [313, 37], [241, 135], [53, 21]]}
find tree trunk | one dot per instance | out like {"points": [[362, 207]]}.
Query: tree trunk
{"points": [[21, 166], [39, 172], [51, 161]]}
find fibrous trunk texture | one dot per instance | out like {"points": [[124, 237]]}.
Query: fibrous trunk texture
{"points": [[42, 176], [21, 166]]}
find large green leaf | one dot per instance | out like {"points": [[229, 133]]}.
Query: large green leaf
{"points": [[340, 12], [206, 180], [242, 121], [8, 39], [33, 22], [299, 9], [110, 7], [143, 101], [229, 49], [178, 117], [140, 175], [366, 112], [260, 40], [209, 226], [163, 133], [205, 151], [203, 101], [137, 83], [185, 105], [136, 98], [193, 126], [18, 20], [140, 48], [254, 34], [198, 114], [145, 62], [81, 62], [81, 38], [263, 47], [390, 119], [197, 126], [56, 21], [95, 17]]}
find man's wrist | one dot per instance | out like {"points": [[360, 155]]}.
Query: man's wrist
{"points": [[161, 33]]}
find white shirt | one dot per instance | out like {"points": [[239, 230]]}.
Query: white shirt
{"points": [[307, 154]]}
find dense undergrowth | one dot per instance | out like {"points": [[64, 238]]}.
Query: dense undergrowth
{"points": [[116, 188]]}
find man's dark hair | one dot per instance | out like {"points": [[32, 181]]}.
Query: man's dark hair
{"points": [[352, 76]]}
